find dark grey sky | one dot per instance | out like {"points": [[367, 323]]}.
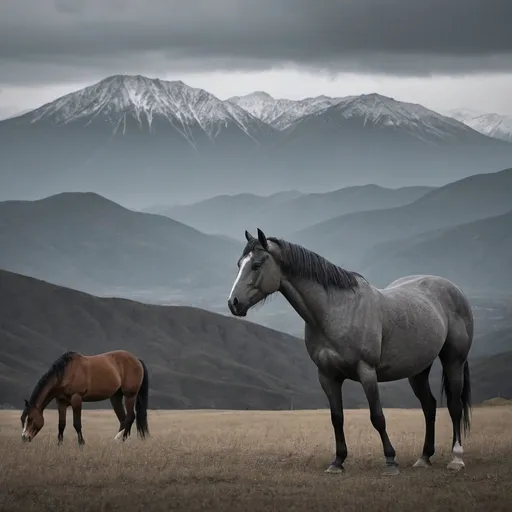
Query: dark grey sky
{"points": [[51, 43], [65, 39]]}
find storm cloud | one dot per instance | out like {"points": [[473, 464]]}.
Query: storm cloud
{"points": [[47, 41]]}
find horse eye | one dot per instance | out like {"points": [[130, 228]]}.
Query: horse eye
{"points": [[256, 266]]}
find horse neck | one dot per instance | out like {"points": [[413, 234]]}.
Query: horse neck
{"points": [[310, 299], [46, 395]]}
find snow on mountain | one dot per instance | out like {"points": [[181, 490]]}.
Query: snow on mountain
{"points": [[463, 114], [490, 124], [307, 107], [281, 113], [493, 125], [119, 97], [375, 109], [262, 105]]}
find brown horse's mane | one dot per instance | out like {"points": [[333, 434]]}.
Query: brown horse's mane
{"points": [[56, 370]]}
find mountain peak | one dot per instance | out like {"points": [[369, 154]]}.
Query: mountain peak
{"points": [[261, 95], [122, 100], [262, 105], [417, 120], [491, 124]]}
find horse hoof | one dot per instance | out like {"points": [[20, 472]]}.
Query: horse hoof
{"points": [[119, 437], [336, 470], [455, 465], [391, 470], [422, 463]]}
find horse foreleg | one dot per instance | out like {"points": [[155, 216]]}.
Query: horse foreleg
{"points": [[368, 379], [421, 388], [76, 405], [332, 389], [62, 407]]}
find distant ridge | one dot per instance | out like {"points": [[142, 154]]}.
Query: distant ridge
{"points": [[88, 242]]}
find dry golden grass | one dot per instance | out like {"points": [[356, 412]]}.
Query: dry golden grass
{"points": [[225, 460]]}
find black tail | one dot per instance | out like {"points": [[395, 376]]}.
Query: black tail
{"points": [[141, 405], [465, 396]]}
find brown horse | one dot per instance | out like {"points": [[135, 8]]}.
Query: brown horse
{"points": [[74, 378]]}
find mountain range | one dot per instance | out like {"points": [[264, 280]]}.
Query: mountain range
{"points": [[491, 124], [87, 242], [196, 359], [354, 239], [140, 141], [286, 211]]}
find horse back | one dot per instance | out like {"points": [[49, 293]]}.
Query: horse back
{"points": [[432, 292], [102, 375]]}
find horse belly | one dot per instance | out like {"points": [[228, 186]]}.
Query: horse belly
{"points": [[102, 384], [406, 360]]}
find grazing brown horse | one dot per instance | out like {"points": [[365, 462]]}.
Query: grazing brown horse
{"points": [[74, 378]]}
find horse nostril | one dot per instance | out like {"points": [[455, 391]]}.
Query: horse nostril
{"points": [[234, 301]]}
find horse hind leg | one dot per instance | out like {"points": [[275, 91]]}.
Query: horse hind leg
{"points": [[456, 385], [117, 404], [129, 400], [421, 388]]}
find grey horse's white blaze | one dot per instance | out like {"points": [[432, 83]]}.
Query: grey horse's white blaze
{"points": [[243, 264]]}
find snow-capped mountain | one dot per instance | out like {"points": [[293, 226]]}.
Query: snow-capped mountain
{"points": [[120, 98], [493, 125], [463, 114], [130, 135], [417, 120], [307, 107], [262, 105], [281, 113]]}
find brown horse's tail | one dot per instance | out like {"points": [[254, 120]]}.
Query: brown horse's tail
{"points": [[141, 404]]}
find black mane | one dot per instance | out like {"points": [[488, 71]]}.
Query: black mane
{"points": [[56, 370], [297, 261]]}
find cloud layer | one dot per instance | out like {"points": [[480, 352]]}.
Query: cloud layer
{"points": [[54, 40]]}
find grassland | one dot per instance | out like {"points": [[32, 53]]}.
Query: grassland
{"points": [[224, 460]]}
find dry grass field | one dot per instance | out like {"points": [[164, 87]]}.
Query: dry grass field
{"points": [[226, 460]]}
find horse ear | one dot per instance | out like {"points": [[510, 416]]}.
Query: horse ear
{"points": [[248, 236], [262, 239]]}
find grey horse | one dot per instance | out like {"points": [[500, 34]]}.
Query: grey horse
{"points": [[358, 332]]}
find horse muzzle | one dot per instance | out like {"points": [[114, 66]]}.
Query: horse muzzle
{"points": [[237, 308]]}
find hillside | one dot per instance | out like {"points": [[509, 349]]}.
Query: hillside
{"points": [[286, 211], [476, 255], [347, 239], [88, 242], [135, 139], [493, 376], [196, 359]]}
